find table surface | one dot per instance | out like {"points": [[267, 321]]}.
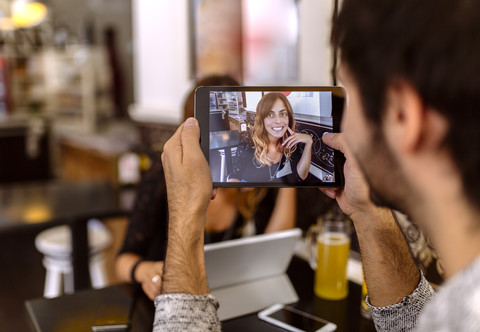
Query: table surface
{"points": [[56, 314], [57, 202]]}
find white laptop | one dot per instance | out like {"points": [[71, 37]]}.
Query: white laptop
{"points": [[249, 274]]}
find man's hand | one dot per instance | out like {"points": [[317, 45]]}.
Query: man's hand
{"points": [[189, 190], [187, 175], [353, 199]]}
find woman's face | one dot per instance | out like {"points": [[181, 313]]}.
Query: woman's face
{"points": [[276, 121]]}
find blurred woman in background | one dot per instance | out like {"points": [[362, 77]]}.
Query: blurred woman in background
{"points": [[233, 213]]}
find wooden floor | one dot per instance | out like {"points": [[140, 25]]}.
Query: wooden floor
{"points": [[22, 274]]}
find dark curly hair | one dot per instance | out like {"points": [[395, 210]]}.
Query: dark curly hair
{"points": [[434, 45]]}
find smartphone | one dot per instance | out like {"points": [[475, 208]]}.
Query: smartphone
{"points": [[267, 136], [292, 319]]}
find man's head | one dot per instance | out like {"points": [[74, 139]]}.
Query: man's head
{"points": [[430, 49]]}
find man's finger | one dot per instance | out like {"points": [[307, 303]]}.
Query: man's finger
{"points": [[172, 149], [334, 140], [191, 139], [330, 192]]}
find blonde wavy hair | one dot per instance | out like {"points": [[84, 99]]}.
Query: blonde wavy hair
{"points": [[260, 135]]}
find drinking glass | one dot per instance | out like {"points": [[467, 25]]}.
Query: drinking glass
{"points": [[329, 245]]}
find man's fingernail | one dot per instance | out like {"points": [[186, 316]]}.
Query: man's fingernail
{"points": [[190, 122]]}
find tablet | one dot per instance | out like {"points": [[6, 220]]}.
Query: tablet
{"points": [[268, 136], [249, 274], [251, 258]]}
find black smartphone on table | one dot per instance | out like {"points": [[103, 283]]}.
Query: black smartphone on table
{"points": [[257, 136]]}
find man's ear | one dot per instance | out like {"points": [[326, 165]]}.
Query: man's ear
{"points": [[404, 116], [410, 125]]}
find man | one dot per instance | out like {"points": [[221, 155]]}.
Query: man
{"points": [[411, 139]]}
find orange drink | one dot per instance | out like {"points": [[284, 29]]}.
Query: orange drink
{"points": [[331, 274]]}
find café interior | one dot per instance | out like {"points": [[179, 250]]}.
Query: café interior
{"points": [[90, 91]]}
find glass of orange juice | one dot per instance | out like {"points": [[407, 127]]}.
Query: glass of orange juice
{"points": [[330, 248]]}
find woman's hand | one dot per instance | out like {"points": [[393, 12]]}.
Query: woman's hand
{"points": [[296, 138], [149, 275], [303, 166]]}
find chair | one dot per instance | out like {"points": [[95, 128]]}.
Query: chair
{"points": [[55, 244]]}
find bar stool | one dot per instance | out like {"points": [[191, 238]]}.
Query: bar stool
{"points": [[56, 245]]}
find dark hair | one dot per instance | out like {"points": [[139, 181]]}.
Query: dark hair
{"points": [[435, 46], [214, 80]]}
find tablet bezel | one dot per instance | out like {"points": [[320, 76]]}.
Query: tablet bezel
{"points": [[202, 101]]}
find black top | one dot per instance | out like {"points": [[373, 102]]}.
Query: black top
{"points": [[246, 167], [147, 232]]}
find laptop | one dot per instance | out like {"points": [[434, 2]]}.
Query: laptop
{"points": [[249, 274], [105, 309]]}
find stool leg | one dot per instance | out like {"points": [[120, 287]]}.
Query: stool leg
{"points": [[98, 275], [68, 282], [53, 283]]}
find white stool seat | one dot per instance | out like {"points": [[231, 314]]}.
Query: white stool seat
{"points": [[56, 245]]}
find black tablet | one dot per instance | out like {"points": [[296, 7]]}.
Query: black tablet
{"points": [[267, 136]]}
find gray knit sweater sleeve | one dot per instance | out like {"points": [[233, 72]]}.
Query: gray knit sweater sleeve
{"points": [[185, 312], [403, 316]]}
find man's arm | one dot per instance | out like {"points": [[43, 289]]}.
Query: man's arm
{"points": [[387, 262], [185, 303], [389, 268]]}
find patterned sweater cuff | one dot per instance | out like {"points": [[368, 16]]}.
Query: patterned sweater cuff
{"points": [[186, 312], [403, 316]]}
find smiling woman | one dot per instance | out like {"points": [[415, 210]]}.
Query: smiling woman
{"points": [[272, 154]]}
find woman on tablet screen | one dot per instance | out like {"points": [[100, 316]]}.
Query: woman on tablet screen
{"points": [[273, 154]]}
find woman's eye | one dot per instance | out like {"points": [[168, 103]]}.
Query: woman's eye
{"points": [[270, 115]]}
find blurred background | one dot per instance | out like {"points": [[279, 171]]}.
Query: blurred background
{"points": [[90, 90]]}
